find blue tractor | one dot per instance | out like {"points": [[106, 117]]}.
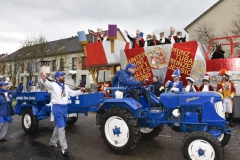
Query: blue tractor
{"points": [[123, 121]]}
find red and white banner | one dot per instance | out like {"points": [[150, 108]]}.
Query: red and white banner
{"points": [[159, 60]]}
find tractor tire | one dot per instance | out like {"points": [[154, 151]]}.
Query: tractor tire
{"points": [[120, 130], [29, 121], [149, 133], [224, 139], [72, 120], [201, 145]]}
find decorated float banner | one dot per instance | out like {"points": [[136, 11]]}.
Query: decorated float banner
{"points": [[99, 54], [162, 60]]}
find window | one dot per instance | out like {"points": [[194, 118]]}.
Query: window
{"points": [[83, 78], [53, 66], [74, 78], [23, 67], [28, 67], [36, 66], [3, 69], [74, 63], [10, 69], [61, 64], [15, 68]]}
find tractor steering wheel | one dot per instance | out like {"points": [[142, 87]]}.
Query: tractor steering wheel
{"points": [[141, 90], [143, 82]]}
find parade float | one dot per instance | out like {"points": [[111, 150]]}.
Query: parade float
{"points": [[123, 120]]}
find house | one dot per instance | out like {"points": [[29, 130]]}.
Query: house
{"points": [[64, 54], [219, 17]]}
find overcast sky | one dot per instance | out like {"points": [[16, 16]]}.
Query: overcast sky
{"points": [[56, 19]]}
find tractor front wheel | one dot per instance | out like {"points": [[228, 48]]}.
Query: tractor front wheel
{"points": [[149, 133], [224, 139], [201, 145], [119, 130]]}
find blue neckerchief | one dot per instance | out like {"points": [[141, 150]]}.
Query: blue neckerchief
{"points": [[61, 85], [3, 90]]}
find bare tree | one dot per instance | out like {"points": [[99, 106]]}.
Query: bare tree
{"points": [[204, 33], [235, 28], [32, 48]]}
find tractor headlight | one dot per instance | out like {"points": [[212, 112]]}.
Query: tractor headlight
{"points": [[219, 109]]}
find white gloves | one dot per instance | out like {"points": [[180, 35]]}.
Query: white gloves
{"points": [[6, 95], [167, 83], [231, 96], [187, 89], [174, 89]]}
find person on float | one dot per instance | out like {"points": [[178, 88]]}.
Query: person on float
{"points": [[59, 100], [158, 88], [191, 87], [6, 111], [175, 85], [136, 41], [149, 41], [227, 89], [100, 34], [206, 86], [218, 53], [180, 38], [172, 37], [163, 40], [154, 37]]}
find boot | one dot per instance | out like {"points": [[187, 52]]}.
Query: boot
{"points": [[227, 116], [230, 119]]}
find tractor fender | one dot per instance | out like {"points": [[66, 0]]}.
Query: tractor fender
{"points": [[127, 103], [209, 113]]}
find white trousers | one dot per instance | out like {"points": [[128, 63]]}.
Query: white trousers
{"points": [[227, 105], [59, 134], [3, 129]]}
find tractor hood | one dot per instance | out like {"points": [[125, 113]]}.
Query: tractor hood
{"points": [[173, 100]]}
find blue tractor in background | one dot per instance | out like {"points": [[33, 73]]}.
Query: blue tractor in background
{"points": [[123, 121]]}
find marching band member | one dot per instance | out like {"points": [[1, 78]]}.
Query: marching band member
{"points": [[136, 41], [227, 89], [206, 86], [59, 101], [175, 85], [191, 87]]}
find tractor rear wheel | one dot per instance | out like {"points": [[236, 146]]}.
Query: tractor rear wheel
{"points": [[149, 133], [201, 145], [29, 121], [72, 120], [120, 130]]}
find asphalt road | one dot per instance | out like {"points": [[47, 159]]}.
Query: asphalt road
{"points": [[84, 143]]}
